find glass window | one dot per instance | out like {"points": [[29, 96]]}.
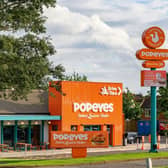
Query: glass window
{"points": [[54, 127], [96, 128], [22, 133], [74, 127], [92, 128], [8, 133], [147, 112], [87, 128]]}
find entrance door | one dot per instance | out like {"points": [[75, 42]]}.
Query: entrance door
{"points": [[110, 134], [35, 134]]}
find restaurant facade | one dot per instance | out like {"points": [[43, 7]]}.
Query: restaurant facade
{"points": [[88, 106], [83, 106]]}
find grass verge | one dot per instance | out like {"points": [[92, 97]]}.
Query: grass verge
{"points": [[87, 160]]}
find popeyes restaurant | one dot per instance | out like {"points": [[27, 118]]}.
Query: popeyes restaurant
{"points": [[86, 107], [87, 114]]}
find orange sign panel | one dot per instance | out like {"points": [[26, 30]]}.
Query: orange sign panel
{"points": [[153, 64], [153, 78], [152, 54], [89, 139], [153, 37]]}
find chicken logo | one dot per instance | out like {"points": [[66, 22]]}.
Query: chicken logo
{"points": [[153, 37]]}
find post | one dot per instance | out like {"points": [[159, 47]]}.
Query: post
{"points": [[153, 119], [2, 136], [29, 132], [166, 138], [42, 133], [15, 134], [148, 163]]}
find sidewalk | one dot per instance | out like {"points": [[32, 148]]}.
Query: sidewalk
{"points": [[62, 153]]}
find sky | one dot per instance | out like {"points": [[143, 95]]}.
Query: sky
{"points": [[99, 38]]}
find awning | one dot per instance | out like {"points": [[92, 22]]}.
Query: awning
{"points": [[29, 117]]}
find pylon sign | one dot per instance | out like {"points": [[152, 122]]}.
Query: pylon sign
{"points": [[153, 58], [153, 38]]}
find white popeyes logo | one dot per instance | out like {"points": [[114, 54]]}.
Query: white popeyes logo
{"points": [[111, 91], [95, 107], [70, 137]]}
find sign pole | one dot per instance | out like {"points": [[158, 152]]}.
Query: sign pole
{"points": [[153, 119]]}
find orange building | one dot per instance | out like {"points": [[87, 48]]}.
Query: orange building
{"points": [[88, 106]]}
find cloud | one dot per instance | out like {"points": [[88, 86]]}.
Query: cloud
{"points": [[72, 25], [99, 38]]}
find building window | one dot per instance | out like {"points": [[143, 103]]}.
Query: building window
{"points": [[54, 127], [74, 127], [92, 128], [147, 112]]}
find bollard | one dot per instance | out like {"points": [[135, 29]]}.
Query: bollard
{"points": [[158, 146], [137, 143], [143, 139], [148, 163], [166, 138]]}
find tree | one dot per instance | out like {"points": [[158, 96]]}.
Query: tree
{"points": [[24, 63], [23, 60], [24, 15], [59, 74], [163, 100], [131, 108]]}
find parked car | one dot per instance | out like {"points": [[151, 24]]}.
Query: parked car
{"points": [[131, 137]]}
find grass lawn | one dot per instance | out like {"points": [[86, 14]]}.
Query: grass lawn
{"points": [[92, 159]]}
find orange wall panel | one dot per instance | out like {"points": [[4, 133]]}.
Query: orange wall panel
{"points": [[88, 92]]}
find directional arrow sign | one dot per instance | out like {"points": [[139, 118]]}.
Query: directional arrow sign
{"points": [[153, 64], [152, 54]]}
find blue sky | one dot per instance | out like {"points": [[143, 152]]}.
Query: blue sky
{"points": [[99, 38]]}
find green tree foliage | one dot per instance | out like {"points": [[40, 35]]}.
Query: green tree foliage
{"points": [[23, 15], [23, 60], [75, 77], [24, 63], [131, 108], [59, 74], [163, 100]]}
